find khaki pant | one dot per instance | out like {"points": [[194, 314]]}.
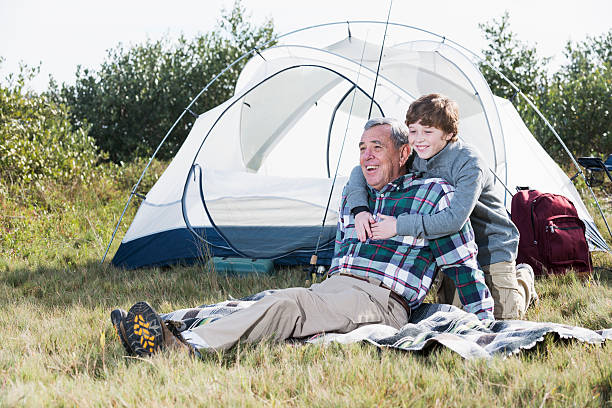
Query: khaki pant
{"points": [[339, 304], [512, 290]]}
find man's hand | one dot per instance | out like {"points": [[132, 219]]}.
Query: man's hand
{"points": [[386, 227], [362, 225]]}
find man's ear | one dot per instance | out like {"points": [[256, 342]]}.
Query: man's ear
{"points": [[404, 154]]}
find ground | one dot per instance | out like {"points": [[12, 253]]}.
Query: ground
{"points": [[59, 347]]}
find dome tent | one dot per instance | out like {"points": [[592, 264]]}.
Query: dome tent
{"points": [[260, 176]]}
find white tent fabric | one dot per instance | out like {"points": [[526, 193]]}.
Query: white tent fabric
{"points": [[254, 175]]}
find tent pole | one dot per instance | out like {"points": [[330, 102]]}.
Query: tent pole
{"points": [[382, 48], [219, 118], [477, 94], [568, 153], [333, 118], [135, 188], [117, 226], [228, 67], [276, 38], [331, 125], [598, 207], [314, 257], [497, 71], [552, 129], [188, 108]]}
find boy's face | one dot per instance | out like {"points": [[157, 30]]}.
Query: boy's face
{"points": [[427, 141]]}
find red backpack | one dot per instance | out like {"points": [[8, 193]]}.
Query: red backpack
{"points": [[552, 236]]}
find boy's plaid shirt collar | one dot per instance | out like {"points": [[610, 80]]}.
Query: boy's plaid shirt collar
{"points": [[405, 264]]}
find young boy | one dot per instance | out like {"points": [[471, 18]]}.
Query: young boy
{"points": [[433, 124]]}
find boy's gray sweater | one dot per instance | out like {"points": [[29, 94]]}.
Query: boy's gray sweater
{"points": [[462, 166]]}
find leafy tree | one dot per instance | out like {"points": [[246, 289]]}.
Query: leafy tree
{"points": [[521, 64], [576, 99], [36, 138], [518, 61], [580, 103], [133, 99]]}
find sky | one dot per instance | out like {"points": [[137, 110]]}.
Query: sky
{"points": [[62, 34]]}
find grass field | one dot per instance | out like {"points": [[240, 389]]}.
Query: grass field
{"points": [[58, 348]]}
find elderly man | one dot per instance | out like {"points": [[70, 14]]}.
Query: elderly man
{"points": [[371, 282]]}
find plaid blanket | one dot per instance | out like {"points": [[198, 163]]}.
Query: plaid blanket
{"points": [[430, 324]]}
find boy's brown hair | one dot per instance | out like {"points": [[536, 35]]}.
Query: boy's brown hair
{"points": [[437, 111]]}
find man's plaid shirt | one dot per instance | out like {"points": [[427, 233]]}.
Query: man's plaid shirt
{"points": [[405, 264]]}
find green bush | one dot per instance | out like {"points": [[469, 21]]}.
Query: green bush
{"points": [[37, 139], [580, 103], [138, 92]]}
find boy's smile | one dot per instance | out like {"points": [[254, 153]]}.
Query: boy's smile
{"points": [[427, 141]]}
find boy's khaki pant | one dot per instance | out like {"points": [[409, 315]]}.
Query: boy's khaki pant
{"points": [[512, 290]]}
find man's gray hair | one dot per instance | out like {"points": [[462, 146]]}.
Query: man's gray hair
{"points": [[399, 131]]}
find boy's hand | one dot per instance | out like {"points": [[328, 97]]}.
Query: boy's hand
{"points": [[362, 225], [385, 228]]}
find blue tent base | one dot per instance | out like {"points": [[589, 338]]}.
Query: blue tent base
{"points": [[181, 247]]}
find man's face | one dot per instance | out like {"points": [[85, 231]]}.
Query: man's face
{"points": [[427, 140], [381, 162]]}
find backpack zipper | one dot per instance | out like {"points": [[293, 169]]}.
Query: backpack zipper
{"points": [[535, 241]]}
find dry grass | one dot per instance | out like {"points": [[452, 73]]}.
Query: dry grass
{"points": [[58, 347]]}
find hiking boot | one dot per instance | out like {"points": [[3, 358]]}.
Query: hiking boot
{"points": [[147, 334], [118, 319], [535, 299], [143, 328]]}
